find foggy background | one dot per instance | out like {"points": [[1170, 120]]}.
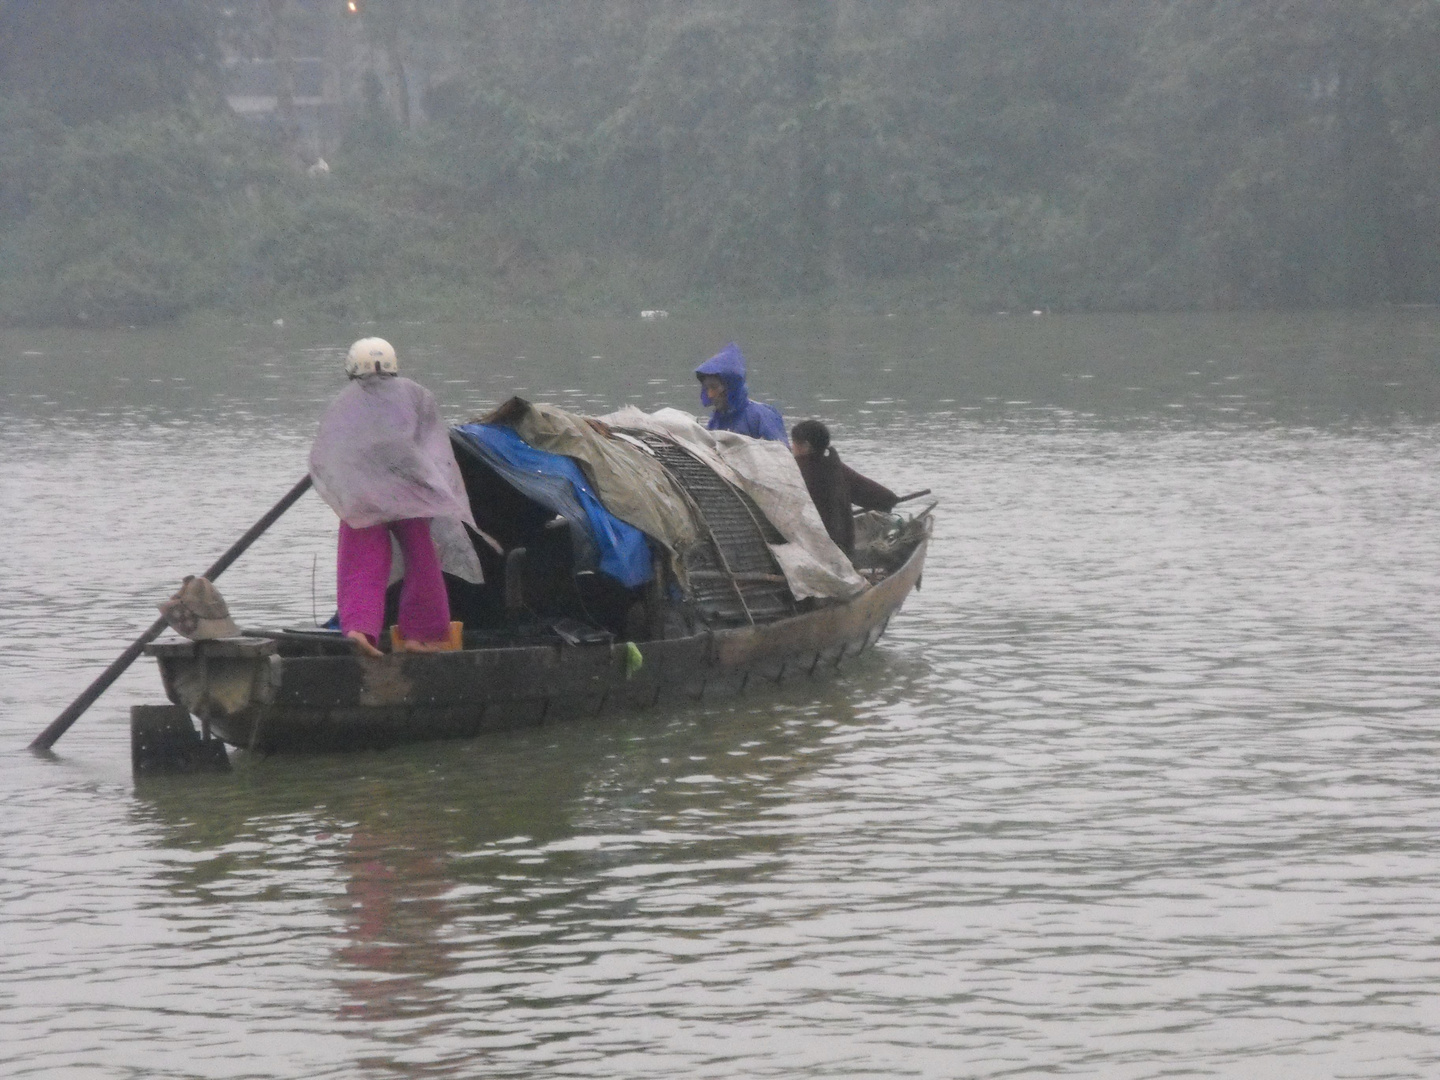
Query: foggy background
{"points": [[432, 158]]}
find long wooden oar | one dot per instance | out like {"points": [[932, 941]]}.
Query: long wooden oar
{"points": [[61, 723]]}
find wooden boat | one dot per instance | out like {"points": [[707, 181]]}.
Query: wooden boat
{"points": [[739, 628]]}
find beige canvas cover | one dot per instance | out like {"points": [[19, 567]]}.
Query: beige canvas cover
{"points": [[766, 471], [634, 486]]}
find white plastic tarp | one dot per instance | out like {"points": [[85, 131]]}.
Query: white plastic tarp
{"points": [[383, 454], [766, 471]]}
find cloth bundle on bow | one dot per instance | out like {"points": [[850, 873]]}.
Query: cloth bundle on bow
{"points": [[199, 612]]}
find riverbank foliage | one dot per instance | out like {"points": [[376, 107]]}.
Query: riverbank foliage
{"points": [[622, 154]]}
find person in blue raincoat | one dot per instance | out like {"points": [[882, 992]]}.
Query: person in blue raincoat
{"points": [[722, 388]]}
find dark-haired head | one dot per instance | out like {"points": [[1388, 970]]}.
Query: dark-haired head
{"points": [[813, 434]]}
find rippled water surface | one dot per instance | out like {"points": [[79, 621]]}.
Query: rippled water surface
{"points": [[1142, 783]]}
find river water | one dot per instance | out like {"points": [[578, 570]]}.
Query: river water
{"points": [[1143, 783]]}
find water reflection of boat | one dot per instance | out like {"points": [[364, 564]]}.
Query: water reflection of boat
{"points": [[548, 638]]}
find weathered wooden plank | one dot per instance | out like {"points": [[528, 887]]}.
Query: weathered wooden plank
{"points": [[225, 647], [679, 664], [508, 715], [343, 702], [725, 683], [163, 739], [574, 708], [326, 682]]}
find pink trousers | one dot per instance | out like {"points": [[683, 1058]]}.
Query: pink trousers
{"points": [[363, 570]]}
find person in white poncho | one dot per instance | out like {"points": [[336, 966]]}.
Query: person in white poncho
{"points": [[382, 461]]}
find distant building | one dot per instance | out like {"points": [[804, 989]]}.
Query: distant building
{"points": [[301, 64], [295, 64]]}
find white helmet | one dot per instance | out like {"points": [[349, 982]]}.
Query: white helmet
{"points": [[371, 356]]}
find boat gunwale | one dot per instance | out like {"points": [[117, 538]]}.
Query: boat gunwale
{"points": [[581, 678]]}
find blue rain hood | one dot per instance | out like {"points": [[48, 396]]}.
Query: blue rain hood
{"points": [[740, 414], [729, 365], [602, 541]]}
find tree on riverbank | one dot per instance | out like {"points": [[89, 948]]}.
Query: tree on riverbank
{"points": [[1275, 153], [626, 153]]}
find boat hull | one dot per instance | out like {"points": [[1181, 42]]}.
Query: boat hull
{"points": [[252, 697]]}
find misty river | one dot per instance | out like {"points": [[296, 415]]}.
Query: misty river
{"points": [[1143, 782]]}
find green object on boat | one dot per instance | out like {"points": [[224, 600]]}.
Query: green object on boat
{"points": [[634, 661]]}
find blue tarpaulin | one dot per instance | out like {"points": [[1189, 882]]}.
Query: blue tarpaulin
{"points": [[557, 483]]}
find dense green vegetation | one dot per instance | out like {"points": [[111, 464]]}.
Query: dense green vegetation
{"points": [[620, 154]]}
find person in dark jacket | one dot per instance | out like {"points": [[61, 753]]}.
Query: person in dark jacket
{"points": [[833, 485], [722, 388]]}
